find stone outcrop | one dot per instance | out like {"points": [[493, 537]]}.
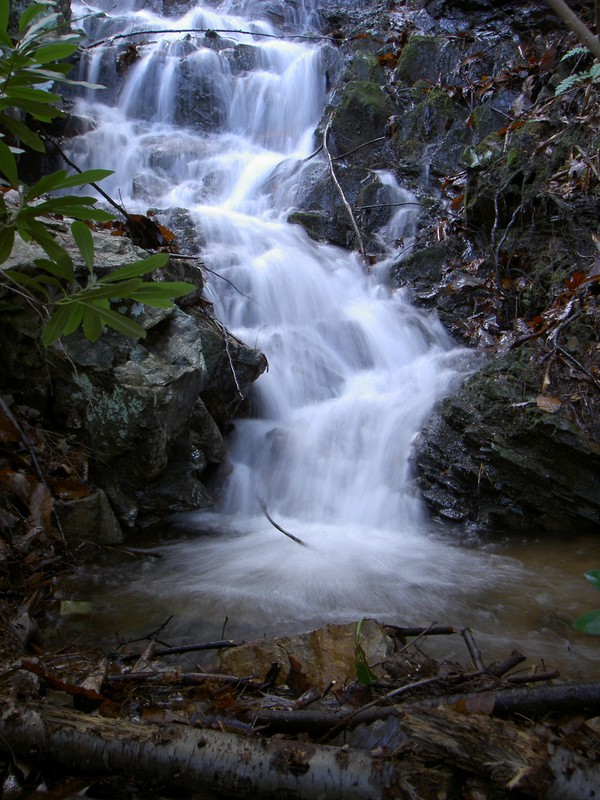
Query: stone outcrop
{"points": [[151, 413]]}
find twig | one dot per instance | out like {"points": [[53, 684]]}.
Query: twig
{"points": [[474, 651], [263, 508], [394, 693], [34, 460], [387, 205], [231, 367], [430, 630], [338, 186], [359, 146], [578, 364], [111, 39]]}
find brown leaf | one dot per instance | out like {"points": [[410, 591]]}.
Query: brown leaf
{"points": [[548, 403], [297, 679]]}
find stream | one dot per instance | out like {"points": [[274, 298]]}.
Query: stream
{"points": [[223, 128]]}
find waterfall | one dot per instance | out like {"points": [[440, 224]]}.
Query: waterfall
{"points": [[224, 128]]}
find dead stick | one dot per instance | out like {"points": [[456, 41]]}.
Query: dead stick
{"points": [[181, 679], [432, 630], [111, 39], [34, 460], [263, 508], [499, 668], [338, 186], [533, 677], [474, 652], [186, 648], [394, 693], [577, 25]]}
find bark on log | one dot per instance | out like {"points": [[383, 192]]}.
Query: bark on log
{"points": [[578, 27], [190, 759]]}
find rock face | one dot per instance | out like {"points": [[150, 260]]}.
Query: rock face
{"points": [[496, 457], [151, 413]]}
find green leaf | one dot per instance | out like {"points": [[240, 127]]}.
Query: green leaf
{"points": [[26, 135], [107, 291], [574, 52], [40, 111], [8, 165], [85, 242], [47, 184], [32, 229], [141, 267], [92, 323], [74, 321], [88, 176], [161, 295], [588, 623], [4, 11], [55, 51], [593, 577], [121, 323], [36, 95], [63, 269], [55, 326], [7, 238], [29, 13], [37, 29]]}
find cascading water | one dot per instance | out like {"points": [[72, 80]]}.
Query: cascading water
{"points": [[223, 130]]}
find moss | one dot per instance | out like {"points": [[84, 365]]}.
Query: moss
{"points": [[367, 98], [365, 67], [419, 59]]}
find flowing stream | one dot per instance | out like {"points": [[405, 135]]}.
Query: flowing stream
{"points": [[225, 132]]}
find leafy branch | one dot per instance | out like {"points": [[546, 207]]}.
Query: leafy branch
{"points": [[35, 59]]}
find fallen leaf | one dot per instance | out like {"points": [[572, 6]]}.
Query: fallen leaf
{"points": [[548, 403]]}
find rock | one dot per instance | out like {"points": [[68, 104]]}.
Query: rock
{"points": [[150, 412], [493, 458], [320, 656], [89, 519]]}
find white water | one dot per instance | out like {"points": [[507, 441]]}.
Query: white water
{"points": [[354, 370]]}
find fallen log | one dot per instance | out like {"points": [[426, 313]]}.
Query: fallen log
{"points": [[190, 759]]}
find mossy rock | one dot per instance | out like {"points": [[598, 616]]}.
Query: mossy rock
{"points": [[419, 59], [362, 115]]}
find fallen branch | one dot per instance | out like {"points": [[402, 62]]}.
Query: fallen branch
{"points": [[162, 31], [263, 508], [338, 186], [194, 760]]}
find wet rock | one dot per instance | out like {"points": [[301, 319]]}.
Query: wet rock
{"points": [[150, 412], [89, 519], [320, 656], [493, 457]]}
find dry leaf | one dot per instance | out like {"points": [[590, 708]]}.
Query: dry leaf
{"points": [[548, 403]]}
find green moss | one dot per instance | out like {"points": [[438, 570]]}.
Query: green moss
{"points": [[365, 67], [367, 98], [419, 58]]}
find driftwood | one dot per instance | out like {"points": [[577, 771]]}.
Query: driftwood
{"points": [[193, 760], [507, 756]]}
